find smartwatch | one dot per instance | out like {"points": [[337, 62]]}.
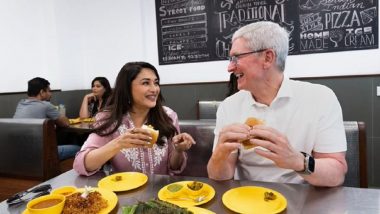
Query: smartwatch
{"points": [[309, 164]]}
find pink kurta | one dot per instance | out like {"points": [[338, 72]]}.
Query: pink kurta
{"points": [[146, 160]]}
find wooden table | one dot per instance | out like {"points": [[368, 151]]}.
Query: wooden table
{"points": [[301, 198]]}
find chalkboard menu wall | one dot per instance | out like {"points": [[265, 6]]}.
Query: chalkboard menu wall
{"points": [[201, 30]]}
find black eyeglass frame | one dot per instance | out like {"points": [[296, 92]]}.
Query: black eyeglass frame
{"points": [[235, 58]]}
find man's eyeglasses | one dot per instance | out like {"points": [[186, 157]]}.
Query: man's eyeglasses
{"points": [[234, 59]]}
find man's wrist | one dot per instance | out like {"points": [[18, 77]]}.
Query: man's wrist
{"points": [[309, 164]]}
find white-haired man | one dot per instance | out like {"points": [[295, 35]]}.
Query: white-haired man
{"points": [[303, 138]]}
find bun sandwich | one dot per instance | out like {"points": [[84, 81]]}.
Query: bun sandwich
{"points": [[154, 133], [251, 121]]}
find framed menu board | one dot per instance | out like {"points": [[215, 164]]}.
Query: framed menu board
{"points": [[201, 30]]}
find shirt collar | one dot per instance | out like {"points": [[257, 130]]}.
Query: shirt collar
{"points": [[284, 92]]}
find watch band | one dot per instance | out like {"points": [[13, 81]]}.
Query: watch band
{"points": [[309, 164]]}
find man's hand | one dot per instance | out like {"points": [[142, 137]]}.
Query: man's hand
{"points": [[278, 148]]}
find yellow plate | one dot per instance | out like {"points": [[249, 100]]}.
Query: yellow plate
{"points": [[200, 210], [250, 199], [165, 195], [84, 120], [106, 194], [129, 180]]}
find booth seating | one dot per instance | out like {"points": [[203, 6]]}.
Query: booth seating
{"points": [[203, 133], [356, 154], [207, 109], [29, 153], [29, 150]]}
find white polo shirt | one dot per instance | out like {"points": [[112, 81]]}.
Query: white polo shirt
{"points": [[308, 114]]}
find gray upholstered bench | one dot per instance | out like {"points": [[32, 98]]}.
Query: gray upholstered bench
{"points": [[29, 149]]}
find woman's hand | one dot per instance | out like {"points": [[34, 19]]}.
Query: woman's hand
{"points": [[133, 138], [182, 142], [90, 97]]}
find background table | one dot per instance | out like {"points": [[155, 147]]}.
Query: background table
{"points": [[301, 198]]}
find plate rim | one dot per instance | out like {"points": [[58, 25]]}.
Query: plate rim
{"points": [[123, 189], [225, 195], [201, 208], [163, 189]]}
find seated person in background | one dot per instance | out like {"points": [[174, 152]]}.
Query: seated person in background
{"points": [[97, 99], [298, 116], [120, 136], [38, 105]]}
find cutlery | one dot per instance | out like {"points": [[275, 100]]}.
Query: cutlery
{"points": [[40, 190]]}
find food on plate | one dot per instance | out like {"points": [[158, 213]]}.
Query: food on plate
{"points": [[92, 203], [83, 120], [118, 178], [174, 187], [269, 196], [154, 134], [251, 121], [195, 185], [155, 206]]}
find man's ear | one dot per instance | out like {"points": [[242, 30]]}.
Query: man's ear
{"points": [[41, 92], [269, 58]]}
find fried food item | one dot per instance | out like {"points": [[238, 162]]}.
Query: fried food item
{"points": [[93, 203], [269, 196], [154, 133], [195, 185], [251, 121], [118, 178]]}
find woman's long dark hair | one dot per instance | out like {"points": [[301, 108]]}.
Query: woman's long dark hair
{"points": [[232, 85], [104, 82], [121, 102]]}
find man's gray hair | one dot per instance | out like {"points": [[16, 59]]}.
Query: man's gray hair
{"points": [[264, 35]]}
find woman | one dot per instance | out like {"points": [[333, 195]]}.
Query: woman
{"points": [[97, 99], [119, 137]]}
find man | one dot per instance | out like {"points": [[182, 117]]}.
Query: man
{"points": [[37, 105], [298, 117]]}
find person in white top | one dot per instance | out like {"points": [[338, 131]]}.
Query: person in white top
{"points": [[302, 139]]}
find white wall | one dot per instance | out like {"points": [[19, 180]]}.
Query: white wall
{"points": [[27, 43], [69, 42]]}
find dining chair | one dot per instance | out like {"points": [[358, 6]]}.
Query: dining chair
{"points": [[356, 154]]}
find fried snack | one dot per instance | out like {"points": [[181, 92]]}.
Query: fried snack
{"points": [[154, 134], [269, 196], [93, 203], [118, 178], [251, 121], [195, 185]]}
